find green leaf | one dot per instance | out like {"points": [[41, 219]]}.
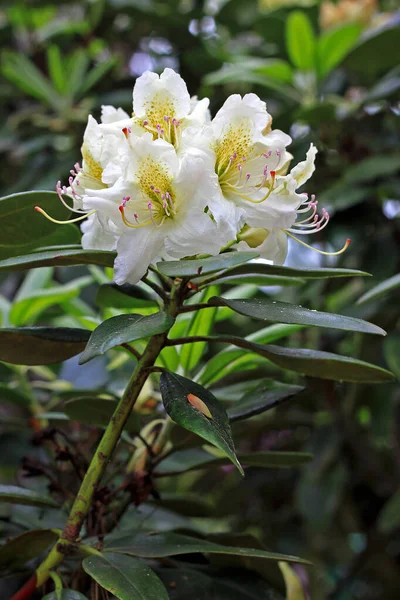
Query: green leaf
{"points": [[385, 287], [161, 545], [389, 517], [97, 412], [196, 459], [124, 296], [125, 577], [22, 548], [260, 400], [27, 310], [201, 323], [123, 329], [334, 45], [200, 266], [224, 361], [65, 595], [258, 279], [283, 312], [300, 41], [261, 268], [19, 495], [56, 68], [13, 396], [41, 345], [63, 257], [176, 391], [373, 55], [22, 226]]}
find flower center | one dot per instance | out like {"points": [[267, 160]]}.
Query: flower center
{"points": [[92, 168], [160, 118]]}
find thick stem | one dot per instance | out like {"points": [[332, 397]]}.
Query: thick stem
{"points": [[83, 500]]}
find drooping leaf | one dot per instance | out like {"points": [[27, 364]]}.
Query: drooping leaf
{"points": [[19, 495], [123, 329], [96, 411], [216, 430], [200, 266], [300, 41], [61, 257], [383, 288], [173, 544], [16, 552], [260, 400], [125, 577], [196, 459], [283, 312], [41, 345]]}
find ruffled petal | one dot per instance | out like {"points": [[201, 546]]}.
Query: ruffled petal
{"points": [[155, 97], [136, 249]]}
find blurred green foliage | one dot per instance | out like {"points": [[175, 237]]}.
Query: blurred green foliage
{"points": [[338, 88]]}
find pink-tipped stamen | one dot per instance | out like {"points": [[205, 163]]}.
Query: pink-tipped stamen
{"points": [[76, 220]]}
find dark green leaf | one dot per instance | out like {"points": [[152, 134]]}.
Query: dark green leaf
{"points": [[300, 41], [260, 400], [201, 323], [124, 296], [26, 546], [200, 266], [123, 329], [41, 345], [258, 279], [161, 545], [125, 577], [63, 257], [196, 459], [12, 396], [385, 287], [175, 391], [260, 268], [283, 312], [22, 226], [97, 412], [374, 52], [19, 495], [389, 517]]}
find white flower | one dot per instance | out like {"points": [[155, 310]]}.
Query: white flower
{"points": [[157, 207]]}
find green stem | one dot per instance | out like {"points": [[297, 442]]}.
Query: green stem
{"points": [[83, 500]]}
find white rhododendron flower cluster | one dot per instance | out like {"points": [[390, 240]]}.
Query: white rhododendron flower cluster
{"points": [[168, 182]]}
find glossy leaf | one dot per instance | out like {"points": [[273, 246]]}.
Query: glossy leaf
{"points": [[123, 329], [201, 323], [259, 280], [19, 495], [61, 257], [96, 411], [22, 548], [383, 288], [124, 296], [216, 430], [300, 41], [41, 345], [259, 401], [161, 545], [283, 312], [201, 266], [125, 577], [196, 459]]}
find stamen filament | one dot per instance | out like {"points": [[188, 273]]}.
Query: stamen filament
{"points": [[346, 245], [76, 220]]}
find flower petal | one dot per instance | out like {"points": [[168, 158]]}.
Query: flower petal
{"points": [[155, 97], [136, 249]]}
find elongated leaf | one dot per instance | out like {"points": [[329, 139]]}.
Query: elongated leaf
{"points": [[19, 495], [199, 266], [96, 411], [26, 546], [41, 345], [260, 400], [283, 312], [263, 268], [258, 279], [63, 257], [124, 296], [389, 517], [201, 324], [21, 225], [333, 46], [125, 577], [173, 544], [196, 459], [176, 392], [65, 595], [300, 41], [122, 329], [385, 287]]}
